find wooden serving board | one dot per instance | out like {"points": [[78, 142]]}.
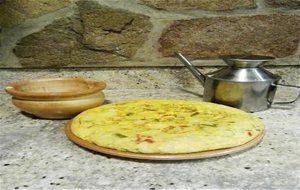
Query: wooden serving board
{"points": [[184, 156]]}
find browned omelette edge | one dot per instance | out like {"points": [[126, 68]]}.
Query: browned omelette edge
{"points": [[146, 156]]}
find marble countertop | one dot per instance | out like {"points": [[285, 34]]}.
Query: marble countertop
{"points": [[35, 154]]}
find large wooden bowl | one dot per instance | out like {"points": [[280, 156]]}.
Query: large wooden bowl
{"points": [[56, 98]]}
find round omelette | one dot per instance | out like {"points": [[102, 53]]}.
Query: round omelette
{"points": [[166, 126]]}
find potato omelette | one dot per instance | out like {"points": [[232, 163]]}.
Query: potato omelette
{"points": [[166, 126]]}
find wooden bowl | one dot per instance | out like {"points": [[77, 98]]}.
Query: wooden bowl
{"points": [[56, 98]]}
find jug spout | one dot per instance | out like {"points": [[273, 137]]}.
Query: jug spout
{"points": [[201, 77]]}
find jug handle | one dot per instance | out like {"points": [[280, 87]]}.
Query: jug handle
{"points": [[289, 101]]}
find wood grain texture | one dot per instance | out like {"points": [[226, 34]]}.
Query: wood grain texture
{"points": [[143, 156]]}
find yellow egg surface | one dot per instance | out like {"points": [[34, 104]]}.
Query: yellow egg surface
{"points": [[166, 126]]}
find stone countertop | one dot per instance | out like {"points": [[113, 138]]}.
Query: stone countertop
{"points": [[35, 154]]}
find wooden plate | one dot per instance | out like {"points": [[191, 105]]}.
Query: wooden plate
{"points": [[184, 156]]}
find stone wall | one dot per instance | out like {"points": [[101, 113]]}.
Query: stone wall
{"points": [[119, 33]]}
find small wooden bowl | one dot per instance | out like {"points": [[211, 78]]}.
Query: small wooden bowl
{"points": [[56, 98]]}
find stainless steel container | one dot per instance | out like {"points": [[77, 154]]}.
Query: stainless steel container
{"points": [[243, 84]]}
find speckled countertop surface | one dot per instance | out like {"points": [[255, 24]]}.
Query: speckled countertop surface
{"points": [[35, 154]]}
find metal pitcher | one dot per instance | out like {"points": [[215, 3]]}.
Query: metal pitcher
{"points": [[243, 84]]}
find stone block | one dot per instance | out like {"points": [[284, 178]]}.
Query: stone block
{"points": [[13, 12], [113, 30], [271, 35], [98, 35], [58, 45], [213, 5], [294, 4]]}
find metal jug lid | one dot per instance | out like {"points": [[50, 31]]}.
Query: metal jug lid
{"points": [[245, 69], [246, 61]]}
